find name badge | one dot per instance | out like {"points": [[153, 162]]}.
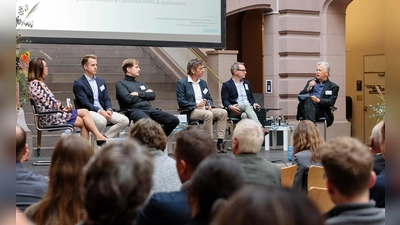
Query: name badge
{"points": [[328, 92], [142, 87], [246, 86], [205, 91], [102, 88]]}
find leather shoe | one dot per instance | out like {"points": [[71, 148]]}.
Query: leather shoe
{"points": [[265, 131], [221, 148], [100, 142]]}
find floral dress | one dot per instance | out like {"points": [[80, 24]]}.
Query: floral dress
{"points": [[46, 101]]}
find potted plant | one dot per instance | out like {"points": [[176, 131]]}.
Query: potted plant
{"points": [[379, 109]]}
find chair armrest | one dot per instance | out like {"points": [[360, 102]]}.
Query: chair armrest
{"points": [[49, 112], [185, 110]]}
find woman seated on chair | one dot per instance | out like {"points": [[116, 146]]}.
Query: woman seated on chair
{"points": [[306, 142], [46, 101]]}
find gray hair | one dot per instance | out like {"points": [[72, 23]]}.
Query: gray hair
{"points": [[235, 66], [249, 135], [325, 65]]}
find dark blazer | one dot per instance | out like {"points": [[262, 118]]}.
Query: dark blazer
{"points": [[185, 93], [166, 208], [327, 101], [84, 94], [229, 93]]}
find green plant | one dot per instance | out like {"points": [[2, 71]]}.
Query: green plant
{"points": [[379, 109]]}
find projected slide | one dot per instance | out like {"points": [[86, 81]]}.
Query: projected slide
{"points": [[147, 22]]}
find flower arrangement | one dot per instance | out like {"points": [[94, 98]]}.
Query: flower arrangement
{"points": [[379, 109]]}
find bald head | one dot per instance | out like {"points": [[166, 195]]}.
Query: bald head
{"points": [[375, 137], [21, 145]]}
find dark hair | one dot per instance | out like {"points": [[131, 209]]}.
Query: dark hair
{"points": [[192, 146], [217, 177], [260, 204], [149, 133], [21, 142], [348, 164], [62, 204], [117, 181], [193, 64], [36, 69]]}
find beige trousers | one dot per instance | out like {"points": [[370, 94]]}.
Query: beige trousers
{"points": [[208, 116], [120, 122]]}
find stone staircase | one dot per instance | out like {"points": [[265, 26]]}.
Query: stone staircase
{"points": [[65, 67]]}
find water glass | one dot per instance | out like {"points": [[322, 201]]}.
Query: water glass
{"points": [[123, 134]]}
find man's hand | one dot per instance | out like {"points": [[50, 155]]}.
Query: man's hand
{"points": [[235, 109], [105, 114], [209, 108], [256, 106], [311, 84], [149, 90], [134, 93], [109, 113], [315, 99], [201, 103]]}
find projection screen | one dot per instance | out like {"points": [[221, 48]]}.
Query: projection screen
{"points": [[171, 23]]}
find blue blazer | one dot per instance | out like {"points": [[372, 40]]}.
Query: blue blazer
{"points": [[229, 93], [185, 93], [84, 94], [166, 208]]}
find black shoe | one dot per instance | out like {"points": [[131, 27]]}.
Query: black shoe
{"points": [[100, 142], [221, 148]]}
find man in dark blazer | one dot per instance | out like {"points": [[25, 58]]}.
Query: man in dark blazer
{"points": [[318, 96], [192, 147], [193, 93], [91, 93], [237, 95]]}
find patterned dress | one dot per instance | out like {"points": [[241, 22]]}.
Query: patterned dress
{"points": [[46, 101]]}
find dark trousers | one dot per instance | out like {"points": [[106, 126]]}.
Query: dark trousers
{"points": [[309, 110], [167, 121]]}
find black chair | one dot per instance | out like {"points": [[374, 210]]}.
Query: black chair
{"points": [[323, 120], [39, 127]]}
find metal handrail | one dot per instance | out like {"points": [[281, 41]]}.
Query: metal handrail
{"points": [[206, 65]]}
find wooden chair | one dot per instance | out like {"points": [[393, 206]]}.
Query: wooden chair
{"points": [[320, 197], [288, 174], [315, 177]]}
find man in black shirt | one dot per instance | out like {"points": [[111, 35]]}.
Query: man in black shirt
{"points": [[136, 96]]}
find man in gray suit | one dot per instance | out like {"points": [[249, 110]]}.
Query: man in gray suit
{"points": [[246, 143]]}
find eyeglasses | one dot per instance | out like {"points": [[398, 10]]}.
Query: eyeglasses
{"points": [[242, 70]]}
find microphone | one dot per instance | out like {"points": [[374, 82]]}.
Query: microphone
{"points": [[315, 79]]}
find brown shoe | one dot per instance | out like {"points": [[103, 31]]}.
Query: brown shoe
{"points": [[266, 132], [221, 148]]}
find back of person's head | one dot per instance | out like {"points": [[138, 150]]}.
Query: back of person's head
{"points": [[258, 204], [193, 64], [248, 135], [192, 146], [149, 133], [127, 63], [21, 142], [307, 136], [375, 137], [36, 69], [117, 181], [70, 155], [214, 181], [348, 165], [382, 140]]}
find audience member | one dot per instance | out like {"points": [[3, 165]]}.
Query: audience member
{"points": [[136, 96], [322, 96], [237, 96], [215, 180], [91, 93], [117, 182], [348, 167], [46, 101], [306, 142], [259, 204], [192, 93], [62, 204], [246, 143], [165, 176], [29, 187], [192, 147], [378, 191], [375, 147]]}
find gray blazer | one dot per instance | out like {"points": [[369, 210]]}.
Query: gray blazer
{"points": [[302, 160]]}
